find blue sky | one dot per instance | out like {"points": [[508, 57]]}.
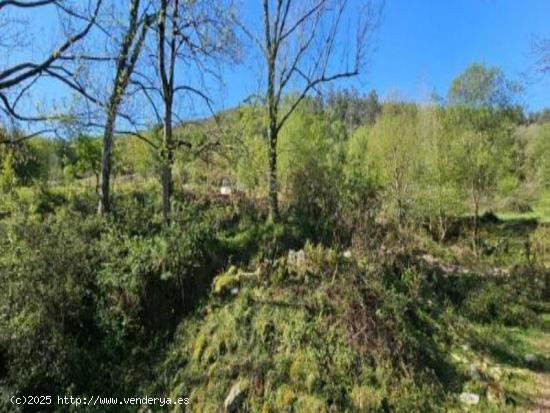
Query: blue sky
{"points": [[420, 47], [423, 44]]}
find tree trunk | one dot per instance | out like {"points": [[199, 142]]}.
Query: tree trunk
{"points": [[104, 206], [166, 181], [272, 132], [166, 168], [273, 187], [124, 69], [475, 199]]}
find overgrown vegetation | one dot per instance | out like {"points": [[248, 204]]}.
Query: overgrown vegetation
{"points": [[403, 263]]}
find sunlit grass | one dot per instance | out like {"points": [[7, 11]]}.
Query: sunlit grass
{"points": [[541, 210]]}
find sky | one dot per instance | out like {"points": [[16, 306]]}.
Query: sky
{"points": [[422, 45]]}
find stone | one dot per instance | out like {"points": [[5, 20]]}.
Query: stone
{"points": [[225, 190], [234, 398], [470, 399]]}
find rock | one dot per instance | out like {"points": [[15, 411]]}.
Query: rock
{"points": [[474, 373], [530, 358], [225, 190], [234, 398], [471, 399]]}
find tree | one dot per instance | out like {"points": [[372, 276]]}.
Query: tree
{"points": [[440, 195], [8, 178], [484, 110], [541, 51], [480, 86], [88, 152], [19, 77], [535, 140], [20, 159], [128, 55], [353, 109], [194, 35], [300, 45], [394, 160], [372, 108]]}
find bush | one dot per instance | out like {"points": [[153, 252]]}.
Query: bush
{"points": [[501, 303], [84, 291], [48, 303]]}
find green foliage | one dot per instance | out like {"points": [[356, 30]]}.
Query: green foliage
{"points": [[480, 86], [309, 174], [535, 140], [352, 303], [8, 179], [393, 158], [48, 302], [352, 109], [81, 291], [23, 163], [509, 302], [88, 153], [134, 156], [298, 337]]}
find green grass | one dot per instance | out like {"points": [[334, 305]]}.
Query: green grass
{"points": [[496, 348], [540, 206]]}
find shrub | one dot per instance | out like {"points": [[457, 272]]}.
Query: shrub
{"points": [[501, 303], [48, 301]]}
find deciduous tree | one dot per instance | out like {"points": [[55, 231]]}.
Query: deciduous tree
{"points": [[301, 45]]}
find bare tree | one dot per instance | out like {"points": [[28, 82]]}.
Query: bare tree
{"points": [[128, 55], [17, 79], [541, 51], [301, 44], [190, 36]]}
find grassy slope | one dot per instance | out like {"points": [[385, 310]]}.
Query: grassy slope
{"points": [[501, 350], [284, 334]]}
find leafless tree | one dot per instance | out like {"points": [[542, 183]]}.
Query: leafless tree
{"points": [[18, 78], [541, 51], [191, 37], [126, 60], [307, 43]]}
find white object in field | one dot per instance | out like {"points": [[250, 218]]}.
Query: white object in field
{"points": [[469, 398], [225, 189]]}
